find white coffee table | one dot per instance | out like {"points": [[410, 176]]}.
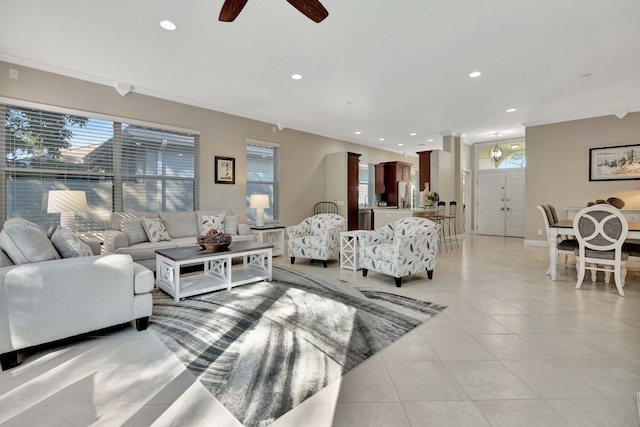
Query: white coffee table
{"points": [[219, 271]]}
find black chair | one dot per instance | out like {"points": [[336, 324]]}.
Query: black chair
{"points": [[325, 207], [439, 218], [451, 221]]}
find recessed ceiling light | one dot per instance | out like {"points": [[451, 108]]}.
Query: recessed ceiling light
{"points": [[168, 25], [357, 132], [413, 134], [475, 74], [429, 140], [511, 110], [381, 139], [296, 76], [400, 145]]}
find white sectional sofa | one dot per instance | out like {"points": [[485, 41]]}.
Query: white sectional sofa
{"points": [[45, 298], [182, 228]]}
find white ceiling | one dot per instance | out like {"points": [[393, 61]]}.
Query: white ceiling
{"points": [[383, 67]]}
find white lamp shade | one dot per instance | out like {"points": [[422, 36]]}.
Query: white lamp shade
{"points": [[61, 201], [259, 201], [67, 203]]}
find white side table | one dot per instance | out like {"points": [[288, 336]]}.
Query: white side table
{"points": [[274, 235], [349, 250]]}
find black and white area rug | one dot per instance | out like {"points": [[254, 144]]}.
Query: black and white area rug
{"points": [[261, 349]]}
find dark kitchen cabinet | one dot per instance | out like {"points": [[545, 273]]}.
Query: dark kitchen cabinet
{"points": [[379, 182], [353, 160], [387, 176]]}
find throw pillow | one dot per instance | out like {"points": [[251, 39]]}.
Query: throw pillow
{"points": [[212, 221], [68, 244], [134, 230], [25, 242], [231, 224], [155, 229], [118, 217]]}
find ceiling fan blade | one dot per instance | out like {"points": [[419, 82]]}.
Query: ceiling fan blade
{"points": [[311, 8], [231, 9]]}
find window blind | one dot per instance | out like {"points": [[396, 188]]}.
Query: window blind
{"points": [[120, 166], [262, 177]]}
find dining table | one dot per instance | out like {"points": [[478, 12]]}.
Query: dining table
{"points": [[565, 228]]}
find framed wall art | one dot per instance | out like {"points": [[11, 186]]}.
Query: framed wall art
{"points": [[614, 163], [225, 170]]}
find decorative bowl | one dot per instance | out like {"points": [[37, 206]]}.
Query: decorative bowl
{"points": [[618, 203], [215, 247]]}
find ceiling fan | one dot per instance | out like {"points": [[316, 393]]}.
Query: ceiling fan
{"points": [[312, 9]]}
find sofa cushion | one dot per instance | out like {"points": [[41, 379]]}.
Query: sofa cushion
{"points": [[117, 217], [180, 224], [134, 229], [212, 222], [156, 231], [312, 242], [380, 251], [68, 244], [5, 261], [147, 250], [231, 224], [146, 214], [25, 242]]}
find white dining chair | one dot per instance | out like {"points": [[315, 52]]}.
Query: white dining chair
{"points": [[565, 247], [601, 231]]}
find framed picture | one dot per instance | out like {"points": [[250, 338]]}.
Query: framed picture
{"points": [[614, 163], [225, 170]]}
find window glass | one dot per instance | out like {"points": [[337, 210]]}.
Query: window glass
{"points": [[513, 156], [262, 177], [363, 184], [120, 166]]}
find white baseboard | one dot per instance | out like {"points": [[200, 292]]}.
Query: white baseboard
{"points": [[539, 243]]}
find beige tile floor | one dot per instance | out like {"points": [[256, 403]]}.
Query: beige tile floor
{"points": [[513, 349]]}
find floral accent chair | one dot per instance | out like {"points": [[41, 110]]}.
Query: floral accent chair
{"points": [[400, 248], [317, 237]]}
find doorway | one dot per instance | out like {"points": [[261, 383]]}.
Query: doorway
{"points": [[501, 203]]}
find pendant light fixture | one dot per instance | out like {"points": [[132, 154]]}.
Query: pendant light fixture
{"points": [[496, 152]]}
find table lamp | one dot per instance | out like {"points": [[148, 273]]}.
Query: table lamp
{"points": [[67, 203], [259, 202]]}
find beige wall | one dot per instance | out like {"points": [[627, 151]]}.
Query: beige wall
{"points": [[302, 171], [558, 166], [443, 167]]}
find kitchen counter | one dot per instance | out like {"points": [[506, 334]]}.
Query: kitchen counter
{"points": [[384, 215]]}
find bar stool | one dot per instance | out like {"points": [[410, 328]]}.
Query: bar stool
{"points": [[439, 218], [451, 220]]}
